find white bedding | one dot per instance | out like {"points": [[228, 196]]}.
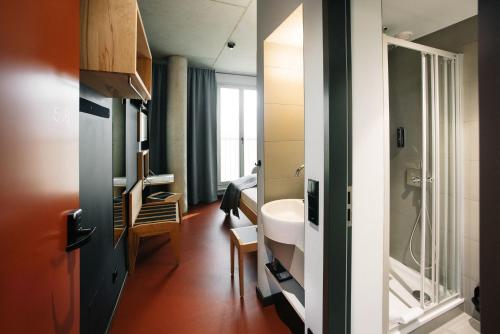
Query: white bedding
{"points": [[249, 198]]}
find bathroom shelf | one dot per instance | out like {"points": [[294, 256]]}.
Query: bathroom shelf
{"points": [[293, 292]]}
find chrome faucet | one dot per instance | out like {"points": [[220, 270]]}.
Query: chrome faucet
{"points": [[299, 170]]}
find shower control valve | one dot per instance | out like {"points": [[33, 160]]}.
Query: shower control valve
{"points": [[417, 179]]}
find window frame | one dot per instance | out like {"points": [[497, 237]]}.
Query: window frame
{"points": [[241, 114]]}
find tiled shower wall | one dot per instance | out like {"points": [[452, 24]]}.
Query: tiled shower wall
{"points": [[470, 109]]}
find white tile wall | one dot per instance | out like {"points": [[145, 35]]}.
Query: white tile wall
{"points": [[470, 273]]}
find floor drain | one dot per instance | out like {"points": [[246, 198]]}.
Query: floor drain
{"points": [[416, 294]]}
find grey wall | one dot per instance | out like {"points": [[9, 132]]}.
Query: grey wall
{"points": [[405, 97]]}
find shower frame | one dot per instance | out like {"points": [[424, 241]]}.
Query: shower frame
{"points": [[430, 59]]}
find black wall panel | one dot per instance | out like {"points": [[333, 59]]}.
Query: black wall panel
{"points": [[103, 266], [489, 164]]}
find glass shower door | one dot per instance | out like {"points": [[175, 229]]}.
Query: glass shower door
{"points": [[424, 232], [446, 263], [439, 169], [427, 204]]}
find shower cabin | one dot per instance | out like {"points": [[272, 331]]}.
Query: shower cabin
{"points": [[423, 182]]}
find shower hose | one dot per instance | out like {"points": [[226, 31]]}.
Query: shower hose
{"points": [[413, 234]]}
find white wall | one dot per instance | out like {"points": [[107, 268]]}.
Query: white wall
{"points": [[368, 298], [314, 159]]}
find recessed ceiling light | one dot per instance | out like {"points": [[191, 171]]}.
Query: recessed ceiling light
{"points": [[406, 35]]}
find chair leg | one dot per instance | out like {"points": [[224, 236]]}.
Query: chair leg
{"points": [[133, 248], [181, 210], [232, 255], [174, 239], [240, 270]]}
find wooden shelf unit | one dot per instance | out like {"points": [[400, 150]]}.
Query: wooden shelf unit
{"points": [[115, 58]]}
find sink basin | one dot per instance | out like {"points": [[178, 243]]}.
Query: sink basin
{"points": [[284, 221]]}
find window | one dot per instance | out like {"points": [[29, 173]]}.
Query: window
{"points": [[237, 132]]}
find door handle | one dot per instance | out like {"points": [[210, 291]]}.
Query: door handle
{"points": [[77, 235]]}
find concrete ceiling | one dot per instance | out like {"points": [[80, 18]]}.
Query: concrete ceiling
{"points": [[423, 17], [200, 30]]}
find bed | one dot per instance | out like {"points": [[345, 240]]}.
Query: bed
{"points": [[248, 204], [242, 194]]}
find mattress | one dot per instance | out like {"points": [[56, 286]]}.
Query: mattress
{"points": [[249, 198]]}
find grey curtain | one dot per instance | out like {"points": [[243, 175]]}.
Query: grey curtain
{"points": [[157, 109], [202, 136]]}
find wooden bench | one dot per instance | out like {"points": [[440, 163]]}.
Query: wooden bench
{"points": [[149, 219]]}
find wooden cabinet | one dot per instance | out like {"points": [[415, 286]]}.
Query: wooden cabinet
{"points": [[115, 59]]}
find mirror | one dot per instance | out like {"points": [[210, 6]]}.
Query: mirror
{"points": [[119, 169]]}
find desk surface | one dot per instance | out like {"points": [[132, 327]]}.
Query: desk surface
{"points": [[151, 180]]}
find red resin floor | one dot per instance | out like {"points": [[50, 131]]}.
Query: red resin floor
{"points": [[199, 295]]}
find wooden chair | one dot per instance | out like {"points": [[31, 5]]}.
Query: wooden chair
{"points": [[149, 219], [244, 239]]}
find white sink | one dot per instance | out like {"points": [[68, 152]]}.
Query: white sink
{"points": [[284, 221]]}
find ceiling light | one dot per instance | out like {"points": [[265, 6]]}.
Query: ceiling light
{"points": [[231, 45], [406, 35]]}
